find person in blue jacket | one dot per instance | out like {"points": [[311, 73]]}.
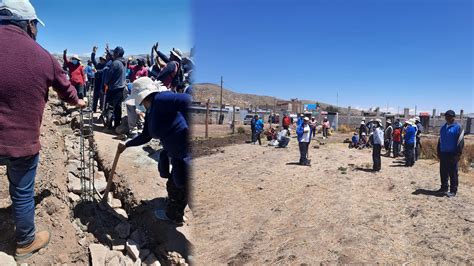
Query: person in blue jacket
{"points": [[258, 129], [166, 119], [450, 147], [304, 133], [410, 142]]}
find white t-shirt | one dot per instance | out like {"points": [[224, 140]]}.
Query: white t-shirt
{"points": [[306, 135]]}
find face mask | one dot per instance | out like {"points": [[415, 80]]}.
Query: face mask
{"points": [[141, 108], [74, 61]]}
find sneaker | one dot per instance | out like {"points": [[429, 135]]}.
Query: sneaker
{"points": [[441, 191], [451, 194], [160, 214], [41, 241]]}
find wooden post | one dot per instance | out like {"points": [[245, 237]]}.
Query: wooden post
{"points": [[233, 119], [207, 118]]}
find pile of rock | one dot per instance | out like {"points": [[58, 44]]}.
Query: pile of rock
{"points": [[125, 249]]}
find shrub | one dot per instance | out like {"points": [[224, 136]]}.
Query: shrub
{"points": [[345, 128], [429, 151], [240, 130]]}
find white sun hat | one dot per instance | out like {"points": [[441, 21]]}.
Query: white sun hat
{"points": [[20, 9], [75, 56], [142, 87]]}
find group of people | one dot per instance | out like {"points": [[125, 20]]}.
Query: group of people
{"points": [[160, 88], [112, 77], [405, 140], [279, 135]]}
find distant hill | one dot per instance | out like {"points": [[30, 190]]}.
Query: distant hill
{"points": [[204, 91]]}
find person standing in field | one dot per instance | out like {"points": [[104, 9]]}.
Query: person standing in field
{"points": [[22, 103], [410, 142], [397, 140], [258, 129], [286, 123], [378, 139], [326, 126], [303, 131], [253, 122], [419, 130], [76, 73], [388, 137], [450, 148]]}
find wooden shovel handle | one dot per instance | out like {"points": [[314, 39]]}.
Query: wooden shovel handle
{"points": [[111, 176]]}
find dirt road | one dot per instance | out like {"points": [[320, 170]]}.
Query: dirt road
{"points": [[253, 206]]}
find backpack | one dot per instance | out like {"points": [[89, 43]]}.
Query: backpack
{"points": [[178, 79], [397, 136]]}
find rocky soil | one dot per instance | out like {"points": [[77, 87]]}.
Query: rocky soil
{"points": [[82, 232], [254, 205]]}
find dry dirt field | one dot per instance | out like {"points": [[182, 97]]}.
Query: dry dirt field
{"points": [[253, 206]]}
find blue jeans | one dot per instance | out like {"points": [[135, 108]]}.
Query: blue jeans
{"points": [[21, 174]]}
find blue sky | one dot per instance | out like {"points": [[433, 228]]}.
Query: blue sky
{"points": [[134, 25], [395, 53]]}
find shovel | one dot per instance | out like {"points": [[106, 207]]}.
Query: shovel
{"points": [[111, 176]]}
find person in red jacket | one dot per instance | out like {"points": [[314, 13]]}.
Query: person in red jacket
{"points": [[138, 70], [286, 123], [22, 102], [76, 73]]}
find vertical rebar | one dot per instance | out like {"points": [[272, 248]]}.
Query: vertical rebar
{"points": [[87, 148]]}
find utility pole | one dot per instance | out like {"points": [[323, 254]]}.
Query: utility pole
{"points": [[220, 106], [233, 119], [415, 110], [207, 119], [337, 99]]}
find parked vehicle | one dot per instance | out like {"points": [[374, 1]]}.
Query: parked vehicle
{"points": [[248, 118]]}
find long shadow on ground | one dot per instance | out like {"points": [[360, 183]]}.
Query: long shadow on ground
{"points": [[427, 192]]}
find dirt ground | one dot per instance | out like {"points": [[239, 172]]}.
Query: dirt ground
{"points": [[254, 205]]}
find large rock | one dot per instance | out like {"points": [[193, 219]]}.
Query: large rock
{"points": [[74, 186], [99, 175], [73, 197], [133, 250], [151, 260], [122, 213], [98, 254], [100, 185], [6, 260], [114, 203]]}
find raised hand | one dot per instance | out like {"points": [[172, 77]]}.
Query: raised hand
{"points": [[94, 49]]}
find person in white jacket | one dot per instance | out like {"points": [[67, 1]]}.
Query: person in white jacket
{"points": [[378, 140]]}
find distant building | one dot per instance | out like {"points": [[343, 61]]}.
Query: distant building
{"points": [[284, 106], [297, 106]]}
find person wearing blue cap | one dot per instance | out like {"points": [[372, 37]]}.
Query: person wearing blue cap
{"points": [[115, 85], [450, 147]]}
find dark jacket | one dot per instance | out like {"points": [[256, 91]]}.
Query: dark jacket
{"points": [[252, 124], [167, 120], [99, 74], [115, 78], [27, 72]]}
